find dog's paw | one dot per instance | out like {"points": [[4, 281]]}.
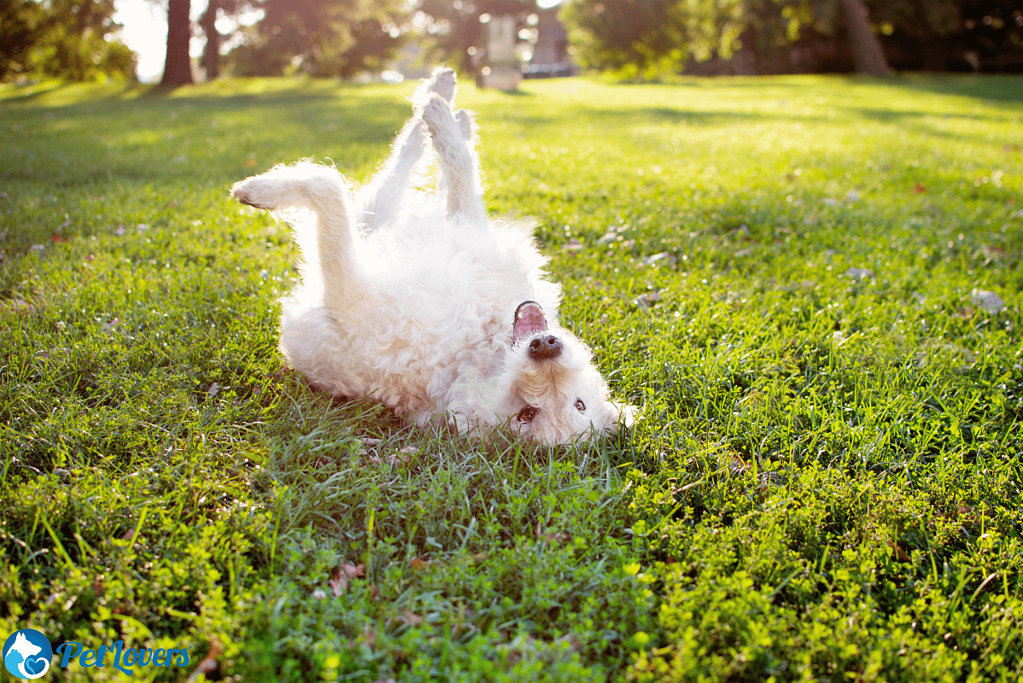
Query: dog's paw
{"points": [[466, 124], [438, 116], [443, 83], [253, 192], [272, 189]]}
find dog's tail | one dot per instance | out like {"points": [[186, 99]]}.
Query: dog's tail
{"points": [[325, 192]]}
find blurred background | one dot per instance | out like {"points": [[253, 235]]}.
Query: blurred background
{"points": [[499, 42]]}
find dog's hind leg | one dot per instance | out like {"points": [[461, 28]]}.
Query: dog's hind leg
{"points": [[458, 163], [325, 192], [379, 202]]}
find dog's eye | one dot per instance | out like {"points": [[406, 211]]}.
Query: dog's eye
{"points": [[527, 414], [580, 406]]}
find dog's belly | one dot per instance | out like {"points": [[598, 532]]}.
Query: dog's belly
{"points": [[414, 359]]}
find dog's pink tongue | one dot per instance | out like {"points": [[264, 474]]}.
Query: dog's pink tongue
{"points": [[528, 321]]}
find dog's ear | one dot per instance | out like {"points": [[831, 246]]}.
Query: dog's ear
{"points": [[625, 415]]}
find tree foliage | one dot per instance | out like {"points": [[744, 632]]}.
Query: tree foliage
{"points": [[648, 38], [73, 39], [336, 38], [20, 27]]}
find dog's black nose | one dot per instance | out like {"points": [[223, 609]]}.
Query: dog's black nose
{"points": [[545, 347]]}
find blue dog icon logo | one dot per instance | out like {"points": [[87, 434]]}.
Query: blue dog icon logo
{"points": [[27, 654]]}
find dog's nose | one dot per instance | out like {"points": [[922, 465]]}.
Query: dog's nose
{"points": [[545, 347]]}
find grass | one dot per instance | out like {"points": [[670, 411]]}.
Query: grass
{"points": [[784, 272]]}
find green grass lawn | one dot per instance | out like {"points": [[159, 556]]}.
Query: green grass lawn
{"points": [[788, 274]]}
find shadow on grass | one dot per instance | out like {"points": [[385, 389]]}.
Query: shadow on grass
{"points": [[163, 138], [994, 88], [668, 115]]}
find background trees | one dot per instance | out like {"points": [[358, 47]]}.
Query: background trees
{"points": [[643, 39], [177, 69], [647, 38], [67, 38], [338, 38]]}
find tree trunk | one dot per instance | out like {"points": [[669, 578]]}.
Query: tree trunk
{"points": [[177, 69], [211, 54], [867, 50]]}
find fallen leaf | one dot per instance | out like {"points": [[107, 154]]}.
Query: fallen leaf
{"points": [[989, 301], [900, 554], [736, 465], [647, 300], [281, 373], [410, 619], [859, 273], [209, 663], [17, 305], [657, 258], [338, 584], [343, 575]]}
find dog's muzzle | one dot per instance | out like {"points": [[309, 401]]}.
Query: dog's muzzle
{"points": [[545, 347]]}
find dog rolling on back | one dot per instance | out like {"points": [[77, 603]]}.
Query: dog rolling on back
{"points": [[423, 303]]}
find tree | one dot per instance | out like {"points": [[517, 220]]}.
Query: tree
{"points": [[72, 39], [177, 69], [211, 53], [338, 38], [20, 28], [647, 38], [870, 57]]}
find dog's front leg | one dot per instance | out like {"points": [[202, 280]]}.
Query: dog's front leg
{"points": [[381, 199], [458, 163]]}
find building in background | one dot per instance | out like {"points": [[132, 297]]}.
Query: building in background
{"points": [[550, 55]]}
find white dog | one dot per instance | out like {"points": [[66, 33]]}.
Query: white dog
{"points": [[419, 301]]}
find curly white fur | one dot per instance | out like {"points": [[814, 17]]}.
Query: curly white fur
{"points": [[409, 298]]}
